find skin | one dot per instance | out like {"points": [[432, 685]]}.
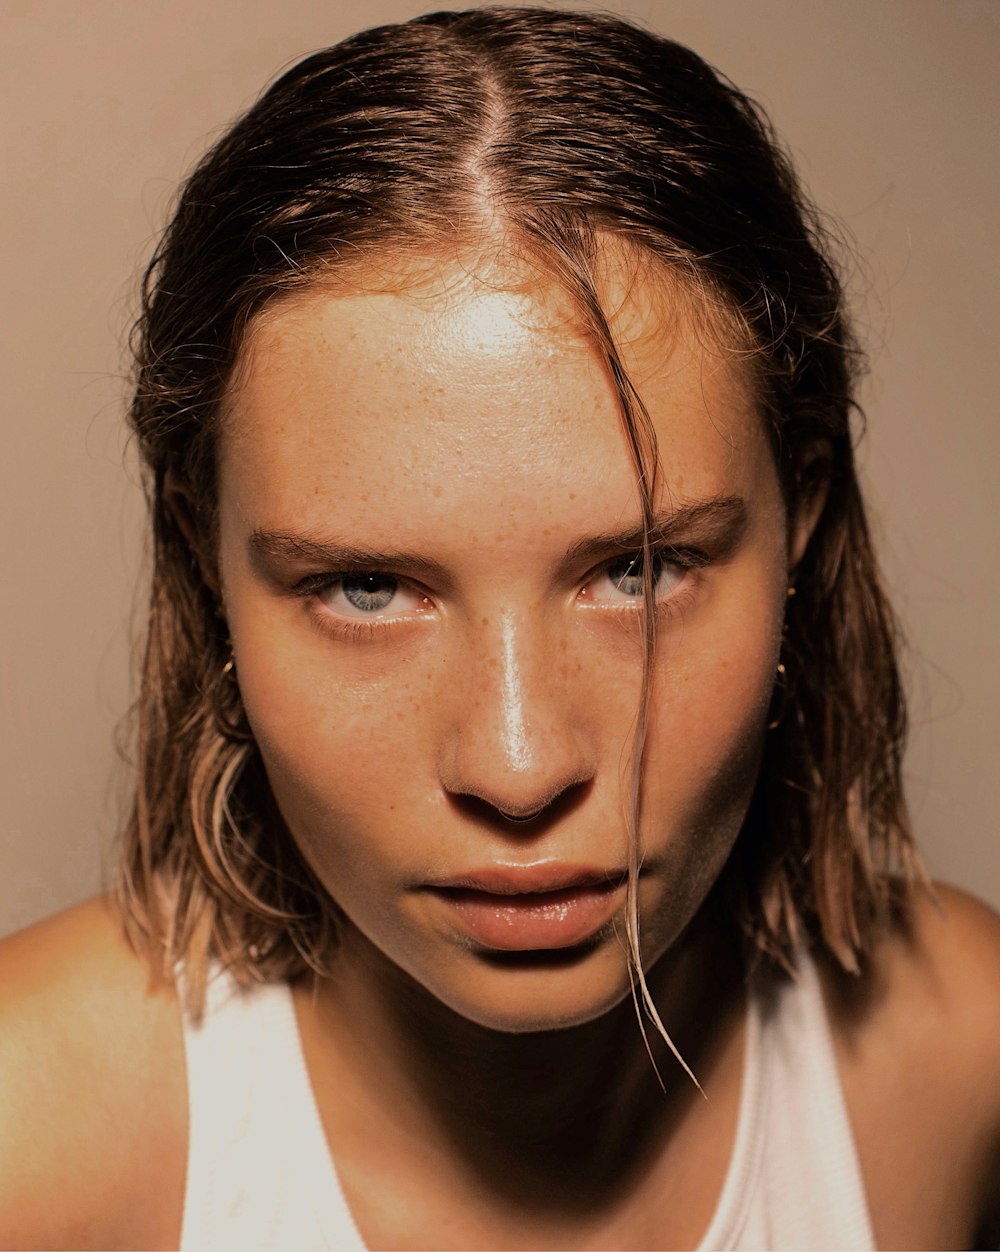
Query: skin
{"points": [[470, 428], [467, 427], [461, 422]]}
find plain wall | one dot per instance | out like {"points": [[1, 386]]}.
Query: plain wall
{"points": [[891, 109]]}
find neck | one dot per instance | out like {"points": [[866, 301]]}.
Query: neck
{"points": [[557, 1118]]}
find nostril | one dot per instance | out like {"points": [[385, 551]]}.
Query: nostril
{"points": [[520, 817], [539, 809]]}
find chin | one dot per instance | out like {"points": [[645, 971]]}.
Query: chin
{"points": [[539, 992]]}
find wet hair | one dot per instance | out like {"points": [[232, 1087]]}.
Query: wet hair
{"points": [[565, 133]]}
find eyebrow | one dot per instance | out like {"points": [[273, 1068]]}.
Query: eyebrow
{"points": [[273, 545], [719, 522]]}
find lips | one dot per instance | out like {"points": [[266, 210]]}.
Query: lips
{"points": [[529, 908]]}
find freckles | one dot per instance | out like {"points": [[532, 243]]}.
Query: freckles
{"points": [[568, 670], [707, 723]]}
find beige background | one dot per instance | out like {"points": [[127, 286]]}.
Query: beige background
{"points": [[891, 107]]}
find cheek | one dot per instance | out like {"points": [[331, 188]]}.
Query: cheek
{"points": [[708, 723], [713, 696], [715, 702], [336, 751], [701, 764]]}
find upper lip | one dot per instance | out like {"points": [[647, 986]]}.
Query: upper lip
{"points": [[516, 880]]}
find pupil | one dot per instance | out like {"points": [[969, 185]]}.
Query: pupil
{"points": [[369, 592], [626, 573]]}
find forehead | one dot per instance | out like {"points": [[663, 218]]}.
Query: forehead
{"points": [[461, 388]]}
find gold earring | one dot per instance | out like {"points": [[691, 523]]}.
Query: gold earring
{"points": [[227, 704], [781, 673], [779, 698]]}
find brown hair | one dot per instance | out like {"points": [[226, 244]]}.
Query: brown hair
{"points": [[568, 130]]}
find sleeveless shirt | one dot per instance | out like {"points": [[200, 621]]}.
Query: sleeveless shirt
{"points": [[260, 1175]]}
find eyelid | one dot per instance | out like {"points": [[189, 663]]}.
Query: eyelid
{"points": [[669, 554], [321, 581], [689, 558]]}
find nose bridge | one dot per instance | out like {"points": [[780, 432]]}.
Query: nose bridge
{"points": [[514, 697], [517, 741]]}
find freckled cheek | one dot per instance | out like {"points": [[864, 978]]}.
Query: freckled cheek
{"points": [[724, 692], [703, 755], [340, 752], [708, 718]]}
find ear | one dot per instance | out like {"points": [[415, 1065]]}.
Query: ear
{"points": [[812, 487], [178, 502]]}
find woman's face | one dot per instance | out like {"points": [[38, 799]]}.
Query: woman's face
{"points": [[428, 527]]}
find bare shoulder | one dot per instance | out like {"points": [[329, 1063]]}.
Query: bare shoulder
{"points": [[917, 1042], [92, 1090], [935, 978]]}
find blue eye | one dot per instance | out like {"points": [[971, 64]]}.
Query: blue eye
{"points": [[364, 596], [369, 593], [620, 580], [626, 573]]}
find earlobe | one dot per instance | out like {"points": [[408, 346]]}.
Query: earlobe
{"points": [[178, 503]]}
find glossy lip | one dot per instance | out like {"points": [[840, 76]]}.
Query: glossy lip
{"points": [[533, 879], [529, 908]]}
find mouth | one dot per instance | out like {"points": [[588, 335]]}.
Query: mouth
{"points": [[530, 908]]}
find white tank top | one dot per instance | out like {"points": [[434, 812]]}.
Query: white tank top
{"points": [[260, 1174]]}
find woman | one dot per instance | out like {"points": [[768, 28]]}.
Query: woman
{"points": [[520, 730]]}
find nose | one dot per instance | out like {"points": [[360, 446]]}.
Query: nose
{"points": [[517, 741]]}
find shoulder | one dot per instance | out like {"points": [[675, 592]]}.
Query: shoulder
{"points": [[917, 1043], [92, 1089], [933, 985]]}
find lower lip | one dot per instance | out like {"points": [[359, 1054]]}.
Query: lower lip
{"points": [[531, 922]]}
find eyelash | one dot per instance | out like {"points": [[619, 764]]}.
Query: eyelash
{"points": [[351, 629], [363, 630]]}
